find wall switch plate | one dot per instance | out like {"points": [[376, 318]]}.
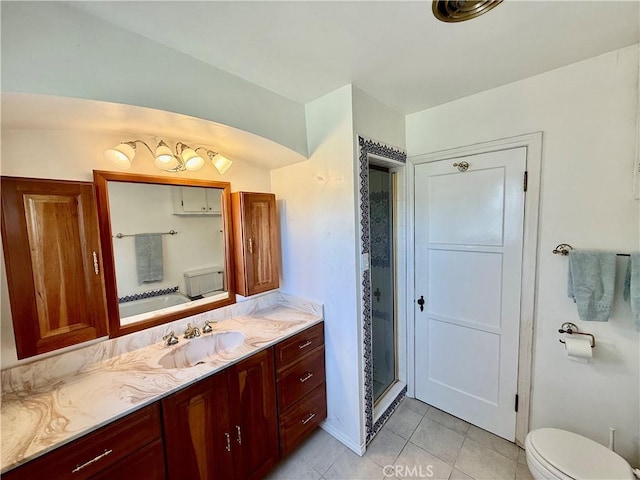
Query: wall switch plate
{"points": [[365, 262]]}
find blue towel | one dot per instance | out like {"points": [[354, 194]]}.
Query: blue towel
{"points": [[591, 281], [632, 287], [149, 264]]}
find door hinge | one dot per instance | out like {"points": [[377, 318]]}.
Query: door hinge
{"points": [[516, 405], [526, 179]]}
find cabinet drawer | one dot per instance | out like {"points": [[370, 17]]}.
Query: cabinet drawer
{"points": [[146, 464], [300, 378], [302, 418], [298, 345], [93, 453]]}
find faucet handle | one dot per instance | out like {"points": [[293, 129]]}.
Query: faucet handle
{"points": [[207, 328], [170, 338]]}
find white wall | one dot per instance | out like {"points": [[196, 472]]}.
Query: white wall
{"points": [[52, 48], [73, 155], [316, 205], [318, 216], [375, 120], [587, 113]]}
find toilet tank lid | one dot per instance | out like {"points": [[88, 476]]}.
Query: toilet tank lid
{"points": [[577, 456], [203, 271]]}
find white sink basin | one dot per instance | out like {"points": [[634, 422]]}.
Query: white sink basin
{"points": [[200, 349]]}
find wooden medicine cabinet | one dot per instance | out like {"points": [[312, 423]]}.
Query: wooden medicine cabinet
{"points": [[53, 260], [255, 232]]}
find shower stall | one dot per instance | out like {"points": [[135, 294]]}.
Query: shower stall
{"points": [[382, 267]]}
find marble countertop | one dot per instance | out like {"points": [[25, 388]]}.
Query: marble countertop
{"points": [[41, 412]]}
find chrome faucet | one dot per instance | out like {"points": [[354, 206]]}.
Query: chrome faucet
{"points": [[170, 338], [191, 332]]}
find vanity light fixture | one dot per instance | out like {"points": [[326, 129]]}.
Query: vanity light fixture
{"points": [[184, 158]]}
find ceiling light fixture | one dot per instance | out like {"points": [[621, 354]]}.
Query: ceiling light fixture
{"points": [[185, 157], [460, 10]]}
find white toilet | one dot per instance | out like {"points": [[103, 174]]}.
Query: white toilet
{"points": [[204, 282], [557, 454]]}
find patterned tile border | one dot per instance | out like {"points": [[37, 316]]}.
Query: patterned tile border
{"points": [[368, 147], [149, 294], [387, 413]]}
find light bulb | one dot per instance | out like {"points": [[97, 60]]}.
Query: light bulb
{"points": [[165, 160], [121, 155], [192, 161], [221, 163]]}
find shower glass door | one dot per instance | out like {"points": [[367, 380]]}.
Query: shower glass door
{"points": [[381, 203]]}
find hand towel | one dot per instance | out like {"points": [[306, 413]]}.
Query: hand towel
{"points": [[632, 287], [590, 283], [149, 264]]}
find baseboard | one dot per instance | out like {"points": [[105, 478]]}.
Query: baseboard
{"points": [[356, 448]]}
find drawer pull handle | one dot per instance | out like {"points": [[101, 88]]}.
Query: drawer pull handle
{"points": [[228, 437], [239, 437], [305, 344], [306, 377], [308, 419], [86, 464]]}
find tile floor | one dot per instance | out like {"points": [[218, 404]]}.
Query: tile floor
{"points": [[417, 442]]}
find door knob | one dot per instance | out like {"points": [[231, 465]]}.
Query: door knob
{"points": [[462, 166], [421, 303]]}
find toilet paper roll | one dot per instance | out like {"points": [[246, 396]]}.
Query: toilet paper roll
{"points": [[578, 349]]}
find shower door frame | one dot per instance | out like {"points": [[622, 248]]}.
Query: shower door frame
{"points": [[393, 207], [377, 153]]}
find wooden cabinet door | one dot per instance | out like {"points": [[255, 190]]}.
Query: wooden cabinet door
{"points": [[53, 259], [255, 426], [256, 236], [197, 435], [226, 426]]}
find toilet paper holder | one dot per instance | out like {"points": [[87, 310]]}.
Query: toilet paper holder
{"points": [[572, 329]]}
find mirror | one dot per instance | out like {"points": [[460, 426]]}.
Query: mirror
{"points": [[166, 248]]}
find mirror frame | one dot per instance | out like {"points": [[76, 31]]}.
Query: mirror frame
{"points": [[100, 180]]}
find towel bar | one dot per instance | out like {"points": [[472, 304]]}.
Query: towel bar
{"points": [[122, 235], [565, 248]]}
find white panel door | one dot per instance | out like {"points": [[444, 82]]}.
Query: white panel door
{"points": [[468, 262]]}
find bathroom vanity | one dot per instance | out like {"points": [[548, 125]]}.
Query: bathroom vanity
{"points": [[230, 390], [231, 413]]}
